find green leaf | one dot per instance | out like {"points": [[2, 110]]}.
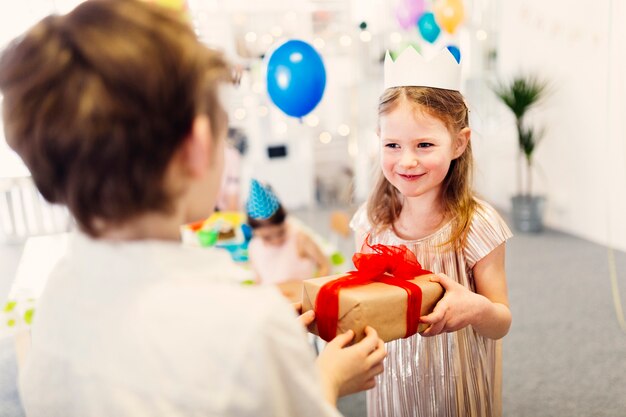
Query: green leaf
{"points": [[528, 140], [521, 93]]}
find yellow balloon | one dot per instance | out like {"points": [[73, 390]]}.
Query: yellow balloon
{"points": [[449, 14]]}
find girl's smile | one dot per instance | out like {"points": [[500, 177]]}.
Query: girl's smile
{"points": [[410, 177]]}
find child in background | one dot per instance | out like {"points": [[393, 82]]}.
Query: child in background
{"points": [[115, 109], [279, 251], [423, 199], [228, 196]]}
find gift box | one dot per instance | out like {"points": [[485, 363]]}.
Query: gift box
{"points": [[389, 291], [292, 290]]}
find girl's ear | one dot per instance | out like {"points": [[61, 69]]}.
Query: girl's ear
{"points": [[462, 139], [196, 149]]}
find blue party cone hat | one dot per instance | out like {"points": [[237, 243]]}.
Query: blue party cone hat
{"points": [[262, 202]]}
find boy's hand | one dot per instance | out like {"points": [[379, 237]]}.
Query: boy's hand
{"points": [[306, 318], [349, 369], [458, 308], [297, 307]]}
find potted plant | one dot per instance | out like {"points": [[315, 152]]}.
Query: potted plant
{"points": [[519, 95]]}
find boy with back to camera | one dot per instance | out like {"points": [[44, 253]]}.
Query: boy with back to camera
{"points": [[115, 109]]}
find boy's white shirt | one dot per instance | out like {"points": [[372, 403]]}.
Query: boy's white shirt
{"points": [[157, 329]]}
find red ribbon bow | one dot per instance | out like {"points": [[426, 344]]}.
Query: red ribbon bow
{"points": [[392, 265]]}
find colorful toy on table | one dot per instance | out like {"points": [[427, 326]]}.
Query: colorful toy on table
{"points": [[224, 229]]}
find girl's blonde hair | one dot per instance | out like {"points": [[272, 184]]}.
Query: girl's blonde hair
{"points": [[384, 204]]}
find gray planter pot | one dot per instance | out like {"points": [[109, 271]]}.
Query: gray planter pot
{"points": [[528, 213]]}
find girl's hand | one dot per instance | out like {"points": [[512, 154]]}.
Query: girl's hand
{"points": [[349, 369], [458, 308]]}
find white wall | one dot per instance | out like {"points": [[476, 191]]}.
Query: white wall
{"points": [[579, 48]]}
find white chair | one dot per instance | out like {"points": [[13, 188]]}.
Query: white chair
{"points": [[25, 213]]}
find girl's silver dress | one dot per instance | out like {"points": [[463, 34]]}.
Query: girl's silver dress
{"points": [[451, 374]]}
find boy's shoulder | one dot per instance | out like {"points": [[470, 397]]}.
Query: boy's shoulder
{"points": [[195, 285], [170, 326], [216, 306]]}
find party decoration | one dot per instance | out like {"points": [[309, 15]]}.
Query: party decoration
{"points": [[262, 202], [395, 52], [296, 78], [428, 27], [412, 69], [408, 11], [449, 14], [456, 52]]}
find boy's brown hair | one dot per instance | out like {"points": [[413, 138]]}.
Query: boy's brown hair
{"points": [[384, 204], [96, 102]]}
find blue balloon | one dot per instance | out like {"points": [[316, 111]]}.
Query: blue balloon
{"points": [[296, 78], [456, 53], [428, 27]]}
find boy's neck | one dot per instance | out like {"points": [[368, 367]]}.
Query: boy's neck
{"points": [[150, 226]]}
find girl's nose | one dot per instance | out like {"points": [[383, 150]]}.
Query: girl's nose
{"points": [[408, 160]]}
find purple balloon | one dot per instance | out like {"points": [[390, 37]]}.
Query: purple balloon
{"points": [[408, 11], [415, 6]]}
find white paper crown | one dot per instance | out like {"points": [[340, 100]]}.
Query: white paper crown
{"points": [[412, 69]]}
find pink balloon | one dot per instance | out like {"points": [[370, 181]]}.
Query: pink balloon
{"points": [[408, 11], [415, 6]]}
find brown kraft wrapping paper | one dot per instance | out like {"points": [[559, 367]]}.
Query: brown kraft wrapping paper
{"points": [[378, 305]]}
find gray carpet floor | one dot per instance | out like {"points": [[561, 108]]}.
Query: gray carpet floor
{"points": [[564, 356], [566, 353]]}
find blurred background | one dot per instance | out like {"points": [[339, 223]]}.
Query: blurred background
{"points": [[564, 192], [330, 153]]}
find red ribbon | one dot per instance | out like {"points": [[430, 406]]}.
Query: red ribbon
{"points": [[392, 265]]}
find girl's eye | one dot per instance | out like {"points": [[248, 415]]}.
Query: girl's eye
{"points": [[392, 146], [424, 145]]}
